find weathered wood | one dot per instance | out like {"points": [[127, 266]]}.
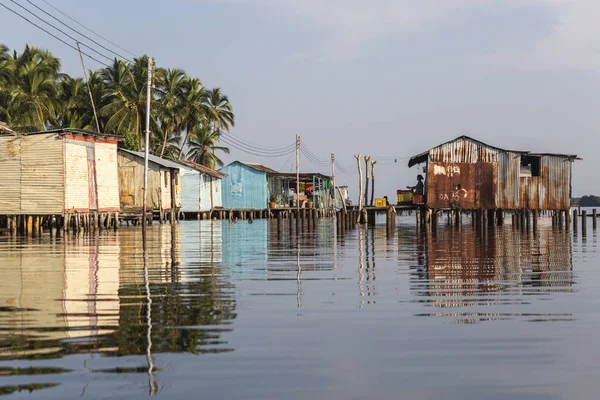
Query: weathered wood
{"points": [[574, 220], [367, 163], [594, 219], [360, 179], [584, 222]]}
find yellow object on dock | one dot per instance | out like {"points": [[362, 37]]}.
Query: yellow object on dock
{"points": [[380, 203]]}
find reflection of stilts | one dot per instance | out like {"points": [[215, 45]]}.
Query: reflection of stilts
{"points": [[153, 386], [361, 276], [299, 281]]}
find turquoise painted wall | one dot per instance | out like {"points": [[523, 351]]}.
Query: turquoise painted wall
{"points": [[244, 187]]}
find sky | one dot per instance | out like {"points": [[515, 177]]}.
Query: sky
{"points": [[385, 78]]}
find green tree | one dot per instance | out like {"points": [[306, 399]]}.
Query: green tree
{"points": [[203, 145]]}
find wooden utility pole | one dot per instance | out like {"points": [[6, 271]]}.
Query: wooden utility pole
{"points": [[367, 159], [373, 181], [360, 194], [147, 138], [333, 180], [297, 176], [87, 83]]}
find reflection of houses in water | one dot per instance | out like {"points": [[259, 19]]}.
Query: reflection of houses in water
{"points": [[463, 267], [89, 295], [56, 293], [245, 246]]}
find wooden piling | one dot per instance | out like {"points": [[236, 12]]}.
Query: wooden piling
{"points": [[594, 219], [584, 222], [574, 220]]}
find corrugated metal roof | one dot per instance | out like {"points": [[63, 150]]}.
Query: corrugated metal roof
{"points": [[203, 169], [259, 167], [64, 131], [155, 159], [304, 175], [455, 149]]}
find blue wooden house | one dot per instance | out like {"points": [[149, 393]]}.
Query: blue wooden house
{"points": [[246, 186]]}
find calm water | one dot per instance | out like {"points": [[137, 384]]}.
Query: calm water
{"points": [[230, 311]]}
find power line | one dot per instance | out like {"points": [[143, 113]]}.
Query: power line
{"points": [[51, 34], [266, 152], [61, 31], [76, 31], [88, 29], [255, 152]]}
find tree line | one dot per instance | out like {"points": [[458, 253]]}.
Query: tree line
{"points": [[187, 119], [586, 201]]}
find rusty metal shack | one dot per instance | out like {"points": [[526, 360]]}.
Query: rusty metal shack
{"points": [[164, 183], [467, 174], [47, 176]]}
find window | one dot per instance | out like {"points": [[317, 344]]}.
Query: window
{"points": [[530, 166]]}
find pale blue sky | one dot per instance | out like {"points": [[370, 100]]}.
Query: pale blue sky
{"points": [[389, 78]]}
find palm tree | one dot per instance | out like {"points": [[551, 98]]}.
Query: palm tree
{"points": [[125, 107], [203, 144], [195, 111], [171, 90], [220, 110], [34, 96]]}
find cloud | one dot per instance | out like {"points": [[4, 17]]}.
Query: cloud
{"points": [[347, 28], [572, 42]]}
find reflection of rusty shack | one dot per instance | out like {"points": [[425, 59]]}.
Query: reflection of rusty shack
{"points": [[470, 175], [464, 268]]}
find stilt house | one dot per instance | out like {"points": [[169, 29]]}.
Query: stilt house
{"points": [[471, 175], [200, 188], [58, 172], [163, 183], [246, 186]]}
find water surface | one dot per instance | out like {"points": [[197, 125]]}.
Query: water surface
{"points": [[221, 310]]}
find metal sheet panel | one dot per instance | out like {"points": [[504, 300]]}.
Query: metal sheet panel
{"points": [[42, 179], [10, 175], [508, 168], [131, 182], [77, 183], [107, 176], [216, 195], [557, 173], [461, 185], [190, 191], [244, 187], [463, 150]]}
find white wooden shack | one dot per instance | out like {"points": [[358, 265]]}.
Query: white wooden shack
{"points": [[47, 176], [200, 188], [164, 195]]}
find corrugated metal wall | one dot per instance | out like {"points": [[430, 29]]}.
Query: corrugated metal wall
{"points": [[107, 176], [507, 195], [461, 185], [77, 192], [463, 151], [216, 195], [190, 191], [10, 175], [244, 187], [131, 184], [42, 175]]}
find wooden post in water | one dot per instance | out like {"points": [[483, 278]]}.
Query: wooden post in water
{"points": [[535, 221], [583, 222], [594, 219], [574, 220]]}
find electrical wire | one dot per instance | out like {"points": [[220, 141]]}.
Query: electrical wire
{"points": [[53, 35], [265, 152], [89, 30], [79, 33], [254, 152], [61, 31]]}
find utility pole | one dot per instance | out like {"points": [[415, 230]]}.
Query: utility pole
{"points": [[147, 138], [297, 176], [333, 179], [87, 83]]}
